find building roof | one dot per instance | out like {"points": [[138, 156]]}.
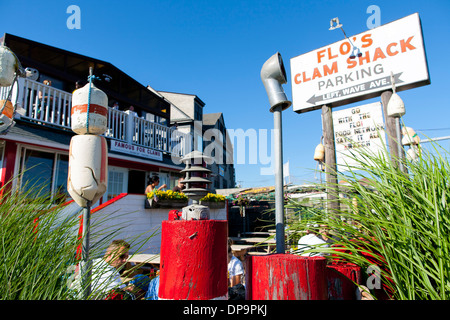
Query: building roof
{"points": [[39, 135], [196, 98], [210, 119]]}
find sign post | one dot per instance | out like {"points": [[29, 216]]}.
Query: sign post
{"points": [[330, 161]]}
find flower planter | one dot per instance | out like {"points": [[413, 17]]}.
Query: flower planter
{"points": [[213, 204], [152, 204]]}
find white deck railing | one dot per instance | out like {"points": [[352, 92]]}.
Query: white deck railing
{"points": [[47, 105]]}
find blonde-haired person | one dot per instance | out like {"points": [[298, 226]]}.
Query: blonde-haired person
{"points": [[105, 273]]}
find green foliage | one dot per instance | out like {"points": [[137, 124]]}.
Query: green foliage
{"points": [[401, 222], [37, 247]]}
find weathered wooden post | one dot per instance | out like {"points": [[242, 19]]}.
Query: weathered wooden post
{"points": [[194, 248], [330, 161], [341, 278]]}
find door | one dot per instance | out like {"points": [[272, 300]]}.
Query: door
{"points": [[164, 179]]}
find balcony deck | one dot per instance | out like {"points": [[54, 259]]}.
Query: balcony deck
{"points": [[55, 107]]}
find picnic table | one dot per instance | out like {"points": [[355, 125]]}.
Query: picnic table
{"points": [[145, 258]]}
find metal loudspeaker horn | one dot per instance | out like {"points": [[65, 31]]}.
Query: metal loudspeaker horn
{"points": [[273, 75]]}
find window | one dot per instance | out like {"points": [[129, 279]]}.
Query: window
{"points": [[117, 182], [44, 173], [198, 112], [61, 173]]}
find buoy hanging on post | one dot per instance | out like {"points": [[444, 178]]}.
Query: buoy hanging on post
{"points": [[7, 113], [409, 136], [319, 153], [8, 66], [94, 120], [10, 70], [88, 168]]}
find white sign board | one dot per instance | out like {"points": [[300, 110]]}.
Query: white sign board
{"points": [[355, 129], [136, 150], [329, 76]]}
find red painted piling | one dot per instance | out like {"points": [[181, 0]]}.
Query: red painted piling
{"points": [[193, 260], [341, 280], [285, 277]]}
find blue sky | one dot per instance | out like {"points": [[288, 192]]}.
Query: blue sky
{"points": [[215, 50]]}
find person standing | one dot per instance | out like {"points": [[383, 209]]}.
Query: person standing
{"points": [[154, 181], [180, 186], [235, 269]]}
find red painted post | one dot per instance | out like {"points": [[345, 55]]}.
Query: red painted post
{"points": [[341, 279], [286, 277], [193, 260]]}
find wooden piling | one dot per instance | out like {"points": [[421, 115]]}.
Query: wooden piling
{"points": [[341, 280], [193, 260], [285, 277]]}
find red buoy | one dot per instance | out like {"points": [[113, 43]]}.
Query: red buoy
{"points": [[285, 277], [193, 260]]}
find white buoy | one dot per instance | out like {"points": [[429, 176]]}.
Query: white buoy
{"points": [[409, 136], [88, 168], [98, 111], [8, 66], [319, 153]]}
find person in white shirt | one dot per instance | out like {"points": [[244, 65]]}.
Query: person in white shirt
{"points": [[235, 269], [311, 241]]}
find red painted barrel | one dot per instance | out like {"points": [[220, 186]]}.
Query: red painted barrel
{"points": [[193, 260], [286, 277], [341, 279]]}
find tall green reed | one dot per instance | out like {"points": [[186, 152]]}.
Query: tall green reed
{"points": [[38, 245], [401, 223]]}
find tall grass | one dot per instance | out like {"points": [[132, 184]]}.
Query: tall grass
{"points": [[401, 223], [38, 246]]}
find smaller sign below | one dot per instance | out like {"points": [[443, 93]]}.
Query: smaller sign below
{"points": [[358, 129], [127, 148]]}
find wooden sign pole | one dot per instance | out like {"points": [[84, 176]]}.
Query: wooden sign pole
{"points": [[330, 161]]}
